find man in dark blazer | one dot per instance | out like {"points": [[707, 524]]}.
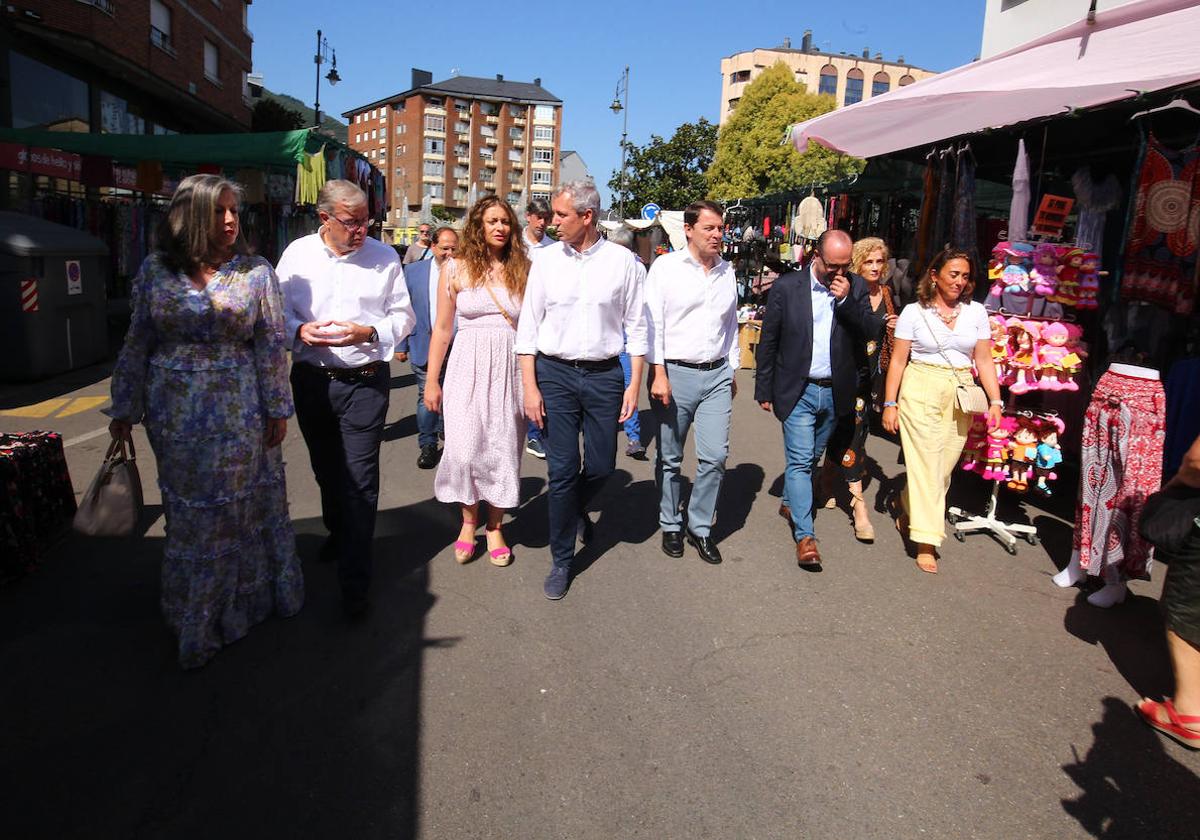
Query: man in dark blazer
{"points": [[423, 279], [807, 372]]}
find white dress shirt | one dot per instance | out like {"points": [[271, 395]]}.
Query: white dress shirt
{"points": [[365, 286], [823, 302], [693, 313], [583, 305], [435, 277], [532, 249]]}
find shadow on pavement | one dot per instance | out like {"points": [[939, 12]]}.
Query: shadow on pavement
{"points": [[627, 514], [740, 488], [1132, 635], [17, 394], [406, 426], [308, 727], [1131, 787]]}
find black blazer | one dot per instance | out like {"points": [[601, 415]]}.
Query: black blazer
{"points": [[786, 345]]}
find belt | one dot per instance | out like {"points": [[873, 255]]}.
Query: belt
{"points": [[347, 374], [583, 364], [713, 365], [821, 383]]}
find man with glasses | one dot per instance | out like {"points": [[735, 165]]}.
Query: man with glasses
{"points": [[422, 249], [807, 373], [346, 308]]}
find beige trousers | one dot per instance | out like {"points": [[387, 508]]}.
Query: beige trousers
{"points": [[932, 433]]}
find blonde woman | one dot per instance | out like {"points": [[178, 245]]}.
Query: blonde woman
{"points": [[484, 411], [868, 260], [937, 339]]}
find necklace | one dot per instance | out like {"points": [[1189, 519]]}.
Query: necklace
{"points": [[947, 319]]}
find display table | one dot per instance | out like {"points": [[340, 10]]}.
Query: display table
{"points": [[749, 334]]}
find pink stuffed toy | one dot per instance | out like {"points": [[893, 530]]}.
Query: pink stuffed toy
{"points": [[1051, 353], [996, 450], [1022, 351], [1045, 270], [974, 448]]}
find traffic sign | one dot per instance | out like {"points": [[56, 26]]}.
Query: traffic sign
{"points": [[650, 211]]}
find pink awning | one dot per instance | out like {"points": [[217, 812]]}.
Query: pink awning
{"points": [[1145, 46]]}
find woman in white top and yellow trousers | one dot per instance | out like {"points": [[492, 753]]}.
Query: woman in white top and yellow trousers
{"points": [[937, 339]]}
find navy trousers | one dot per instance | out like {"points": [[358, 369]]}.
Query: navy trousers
{"points": [[342, 425], [577, 401]]}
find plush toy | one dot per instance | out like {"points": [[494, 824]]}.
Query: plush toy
{"points": [[1022, 450], [1068, 278], [1049, 455], [1045, 270], [996, 451], [999, 347], [1077, 352], [1022, 353], [976, 445], [1051, 352], [1016, 275], [1089, 282]]}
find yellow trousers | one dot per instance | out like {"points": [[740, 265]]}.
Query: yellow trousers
{"points": [[932, 433]]}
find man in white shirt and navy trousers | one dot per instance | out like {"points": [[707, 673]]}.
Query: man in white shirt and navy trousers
{"points": [[691, 298], [347, 308], [583, 297]]}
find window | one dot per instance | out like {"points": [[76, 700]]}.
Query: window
{"points": [[357, 137], [435, 190], [541, 176], [739, 76], [371, 154], [461, 149], [398, 171], [542, 132], [460, 195], [435, 102], [543, 156], [733, 103], [828, 83], [383, 114], [402, 149], [486, 152], [434, 146], [400, 129], [462, 106], [513, 197], [383, 137], [46, 98], [906, 79], [488, 109], [854, 87], [462, 172], [433, 123], [882, 83], [374, 113], [487, 131], [462, 127], [545, 196], [544, 112], [516, 133], [374, 133], [516, 111], [514, 155], [118, 117], [435, 167], [160, 25], [514, 177]]}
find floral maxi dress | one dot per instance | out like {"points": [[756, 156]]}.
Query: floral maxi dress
{"points": [[203, 370]]}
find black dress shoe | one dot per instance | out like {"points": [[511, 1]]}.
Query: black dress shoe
{"points": [[673, 543], [429, 457], [706, 547], [586, 529]]}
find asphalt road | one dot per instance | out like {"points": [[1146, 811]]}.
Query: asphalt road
{"points": [[663, 698]]}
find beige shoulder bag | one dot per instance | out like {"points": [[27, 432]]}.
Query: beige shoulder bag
{"points": [[112, 505], [972, 399]]}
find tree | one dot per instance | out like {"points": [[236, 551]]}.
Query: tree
{"points": [[750, 158], [668, 173], [271, 115]]}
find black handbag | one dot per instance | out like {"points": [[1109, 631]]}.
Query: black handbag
{"points": [[1169, 517]]}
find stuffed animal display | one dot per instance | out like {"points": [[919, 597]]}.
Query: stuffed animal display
{"points": [[1022, 452], [1058, 273], [1033, 355]]}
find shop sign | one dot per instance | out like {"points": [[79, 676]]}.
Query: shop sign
{"points": [[14, 156], [54, 163], [124, 177], [1052, 216]]}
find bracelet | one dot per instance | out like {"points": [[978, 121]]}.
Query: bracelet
{"points": [[890, 404], [997, 402]]}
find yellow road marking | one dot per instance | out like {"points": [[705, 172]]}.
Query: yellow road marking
{"points": [[42, 409], [82, 404]]}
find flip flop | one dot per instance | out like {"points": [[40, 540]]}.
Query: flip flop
{"points": [[1174, 728]]}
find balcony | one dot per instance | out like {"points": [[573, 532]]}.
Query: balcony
{"points": [[487, 185], [461, 182], [517, 142], [433, 179], [430, 108], [490, 163], [492, 119], [491, 141], [463, 138], [518, 121], [516, 164], [463, 159]]}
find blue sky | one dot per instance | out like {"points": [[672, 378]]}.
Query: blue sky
{"points": [[674, 51]]}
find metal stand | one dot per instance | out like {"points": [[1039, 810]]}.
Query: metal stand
{"points": [[1006, 532]]}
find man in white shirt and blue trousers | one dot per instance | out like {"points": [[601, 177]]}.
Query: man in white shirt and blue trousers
{"points": [[583, 297], [691, 298], [347, 308]]}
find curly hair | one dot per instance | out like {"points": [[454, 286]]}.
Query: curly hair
{"points": [[863, 248], [475, 256], [925, 286]]}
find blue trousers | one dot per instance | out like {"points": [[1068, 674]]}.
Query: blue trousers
{"points": [[342, 425], [429, 423], [577, 401], [806, 433], [704, 399], [633, 430]]}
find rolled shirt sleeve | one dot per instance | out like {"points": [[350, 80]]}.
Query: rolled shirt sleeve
{"points": [[635, 309]]}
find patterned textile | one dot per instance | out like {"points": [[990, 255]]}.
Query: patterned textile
{"points": [[36, 499], [1120, 466], [1161, 255], [203, 369], [482, 405]]}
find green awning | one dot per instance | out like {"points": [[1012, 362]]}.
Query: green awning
{"points": [[268, 148]]}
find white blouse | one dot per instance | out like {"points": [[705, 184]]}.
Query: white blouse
{"points": [[959, 344]]}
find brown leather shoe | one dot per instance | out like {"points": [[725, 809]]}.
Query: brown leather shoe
{"points": [[807, 553]]}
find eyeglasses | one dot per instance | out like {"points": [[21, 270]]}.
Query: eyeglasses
{"points": [[833, 268], [351, 225]]}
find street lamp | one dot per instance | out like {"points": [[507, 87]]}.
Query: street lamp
{"points": [[617, 107], [323, 52]]}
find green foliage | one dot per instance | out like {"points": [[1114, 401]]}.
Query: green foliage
{"points": [[441, 214], [669, 173], [751, 159], [329, 125], [271, 115]]}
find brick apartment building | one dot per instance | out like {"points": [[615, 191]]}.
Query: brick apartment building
{"points": [[439, 139], [125, 66]]}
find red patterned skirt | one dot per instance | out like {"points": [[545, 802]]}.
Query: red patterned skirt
{"points": [[1120, 466]]}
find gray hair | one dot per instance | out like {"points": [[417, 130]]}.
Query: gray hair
{"points": [[584, 195], [185, 235], [337, 192], [622, 236], [538, 207]]}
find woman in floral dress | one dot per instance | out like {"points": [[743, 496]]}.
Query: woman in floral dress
{"points": [[484, 415], [204, 368]]}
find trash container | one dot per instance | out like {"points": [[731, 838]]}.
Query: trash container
{"points": [[53, 310]]}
